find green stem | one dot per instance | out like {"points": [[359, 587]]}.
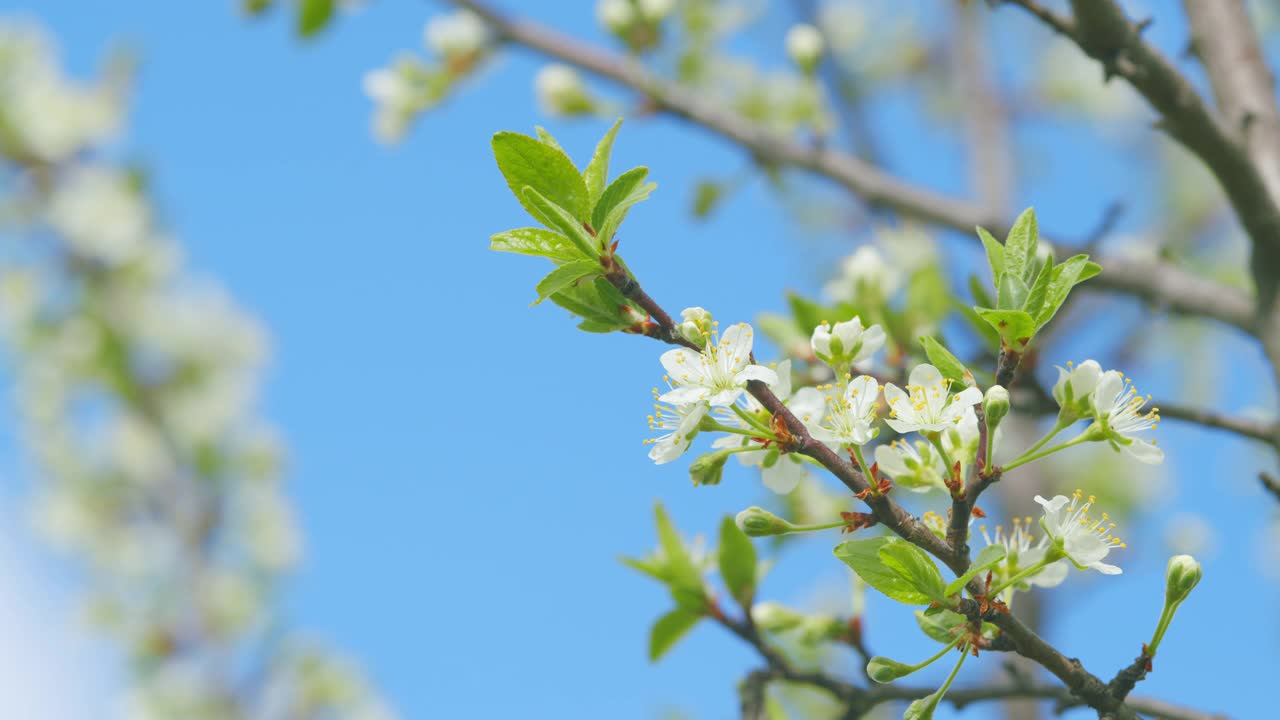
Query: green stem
{"points": [[964, 653], [714, 426], [1166, 618], [1058, 427], [936, 439], [937, 656], [1028, 456], [753, 421], [1049, 558]]}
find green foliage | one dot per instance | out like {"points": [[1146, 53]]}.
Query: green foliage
{"points": [[940, 624], [596, 176], [564, 276], [899, 583], [559, 219], [527, 162], [737, 563], [1029, 290], [668, 630], [314, 16], [628, 189], [536, 241], [949, 365], [600, 305], [915, 567], [990, 556]]}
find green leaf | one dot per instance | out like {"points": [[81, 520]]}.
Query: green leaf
{"points": [[255, 7], [864, 557], [626, 190], [596, 176], [1020, 245], [995, 256], [1011, 293], [980, 326], [557, 218], [683, 576], [949, 365], [913, 565], [940, 625], [536, 241], [651, 566], [808, 314], [990, 556], [980, 294], [1016, 327], [737, 562], [527, 162], [707, 194], [1070, 273], [668, 630], [564, 276], [598, 303], [314, 16], [1039, 290], [923, 708], [547, 139]]}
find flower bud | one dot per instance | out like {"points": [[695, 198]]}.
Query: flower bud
{"points": [[708, 469], [616, 15], [883, 669], [995, 406], [655, 10], [1074, 389], [1181, 577], [561, 91], [775, 617], [696, 325], [805, 46], [846, 343], [758, 522], [818, 629], [457, 36]]}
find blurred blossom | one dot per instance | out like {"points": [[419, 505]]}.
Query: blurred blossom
{"points": [[137, 388]]}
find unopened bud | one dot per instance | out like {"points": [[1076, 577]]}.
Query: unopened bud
{"points": [[758, 522], [995, 406], [775, 617], [696, 325], [615, 15], [1181, 577], [883, 669], [655, 10], [708, 469], [561, 91], [805, 46]]}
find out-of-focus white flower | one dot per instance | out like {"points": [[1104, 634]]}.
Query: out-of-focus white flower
{"points": [[270, 532], [458, 35], [804, 46], [616, 15], [655, 10], [1189, 534], [561, 91], [229, 600], [100, 215], [863, 272]]}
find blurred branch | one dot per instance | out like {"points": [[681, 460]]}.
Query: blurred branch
{"points": [[1172, 287], [986, 120], [1270, 484]]}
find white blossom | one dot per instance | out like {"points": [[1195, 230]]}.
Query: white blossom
{"points": [[1118, 416], [927, 404], [780, 472], [719, 374], [804, 46], [850, 418], [561, 91], [616, 15], [1075, 386], [655, 10], [1024, 551], [1086, 542], [678, 425], [846, 343], [100, 215], [458, 35]]}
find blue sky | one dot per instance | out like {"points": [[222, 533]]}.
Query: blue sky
{"points": [[468, 469]]}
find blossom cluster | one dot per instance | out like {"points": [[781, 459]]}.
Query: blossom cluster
{"points": [[137, 388]]}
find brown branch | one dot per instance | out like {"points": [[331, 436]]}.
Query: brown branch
{"points": [[1270, 484], [1159, 280]]}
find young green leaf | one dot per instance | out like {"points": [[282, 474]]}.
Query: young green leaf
{"points": [[564, 276], [596, 176], [912, 565], [598, 303], [529, 162], [1070, 273], [980, 295], [995, 257], [651, 566], [1039, 290], [737, 562], [547, 138], [988, 558], [1012, 292], [1020, 245], [942, 626], [314, 16], [626, 190], [536, 241], [864, 557], [668, 630], [1016, 328], [685, 579], [949, 365], [557, 218]]}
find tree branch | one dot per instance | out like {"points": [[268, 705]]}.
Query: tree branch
{"points": [[1161, 281]]}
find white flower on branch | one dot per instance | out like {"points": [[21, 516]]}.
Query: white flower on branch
{"points": [[1118, 417], [850, 418], [719, 374], [927, 405], [1084, 541]]}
